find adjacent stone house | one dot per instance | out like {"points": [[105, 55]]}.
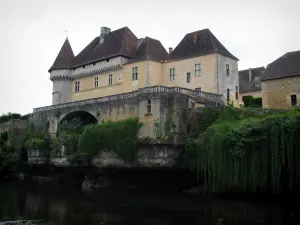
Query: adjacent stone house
{"points": [[250, 83], [281, 82]]}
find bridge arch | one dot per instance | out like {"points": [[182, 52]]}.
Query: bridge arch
{"points": [[84, 116]]}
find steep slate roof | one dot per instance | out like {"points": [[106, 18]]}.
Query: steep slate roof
{"points": [[287, 65], [206, 43], [64, 58], [246, 85], [121, 42], [150, 49]]}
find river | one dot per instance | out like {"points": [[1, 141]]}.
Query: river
{"points": [[70, 205]]}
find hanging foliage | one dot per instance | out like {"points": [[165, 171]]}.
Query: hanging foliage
{"points": [[248, 154], [119, 136]]}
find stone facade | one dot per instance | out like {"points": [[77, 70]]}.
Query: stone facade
{"points": [[277, 93], [16, 125]]}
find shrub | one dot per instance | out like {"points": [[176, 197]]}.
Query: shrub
{"points": [[119, 136]]}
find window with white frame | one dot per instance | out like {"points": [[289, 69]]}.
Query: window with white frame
{"points": [[77, 86], [172, 74], [110, 79], [135, 73], [96, 82], [197, 69]]}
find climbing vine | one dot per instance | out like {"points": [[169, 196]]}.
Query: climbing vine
{"points": [[248, 154], [119, 137]]}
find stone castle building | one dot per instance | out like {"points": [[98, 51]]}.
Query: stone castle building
{"points": [[117, 66]]}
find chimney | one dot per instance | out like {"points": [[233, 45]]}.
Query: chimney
{"points": [[104, 32], [170, 50], [250, 74]]}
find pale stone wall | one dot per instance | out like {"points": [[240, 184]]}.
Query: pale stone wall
{"points": [[206, 81], [276, 94], [255, 94], [225, 82]]}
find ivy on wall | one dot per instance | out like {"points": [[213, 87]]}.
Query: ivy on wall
{"points": [[247, 154], [119, 137]]}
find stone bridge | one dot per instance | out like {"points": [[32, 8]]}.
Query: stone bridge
{"points": [[159, 99]]}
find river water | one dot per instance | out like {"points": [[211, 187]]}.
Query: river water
{"points": [[70, 205]]}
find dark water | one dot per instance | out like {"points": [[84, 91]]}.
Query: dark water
{"points": [[72, 206]]}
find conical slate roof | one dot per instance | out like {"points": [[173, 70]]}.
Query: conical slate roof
{"points": [[64, 58]]}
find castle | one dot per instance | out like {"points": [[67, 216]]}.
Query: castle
{"points": [[118, 65]]}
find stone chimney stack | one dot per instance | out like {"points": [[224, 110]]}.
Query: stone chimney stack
{"points": [[170, 50], [103, 33]]}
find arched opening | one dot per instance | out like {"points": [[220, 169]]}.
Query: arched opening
{"points": [[75, 121]]}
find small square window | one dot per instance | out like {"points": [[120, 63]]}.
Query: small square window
{"points": [[197, 69], [172, 74], [293, 100], [135, 73], [188, 77]]}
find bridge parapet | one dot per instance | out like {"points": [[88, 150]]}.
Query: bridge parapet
{"points": [[198, 96]]}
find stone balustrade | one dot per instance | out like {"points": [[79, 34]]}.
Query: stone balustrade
{"points": [[195, 95]]}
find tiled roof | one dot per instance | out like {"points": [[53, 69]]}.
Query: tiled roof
{"points": [[64, 58], [121, 42], [199, 43], [287, 65], [247, 82], [150, 49]]}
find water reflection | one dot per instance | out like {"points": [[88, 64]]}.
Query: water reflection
{"points": [[66, 206]]}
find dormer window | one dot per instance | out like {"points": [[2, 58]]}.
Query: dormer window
{"points": [[256, 81], [83, 66]]}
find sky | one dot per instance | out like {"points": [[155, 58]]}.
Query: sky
{"points": [[33, 31]]}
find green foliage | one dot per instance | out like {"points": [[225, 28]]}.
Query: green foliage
{"points": [[256, 103], [9, 116], [169, 126], [248, 154], [74, 126], [120, 137], [69, 140], [250, 101], [201, 121], [247, 100]]}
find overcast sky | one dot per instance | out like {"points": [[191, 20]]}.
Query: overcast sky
{"points": [[33, 31]]}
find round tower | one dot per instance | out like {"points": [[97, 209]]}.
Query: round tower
{"points": [[60, 75]]}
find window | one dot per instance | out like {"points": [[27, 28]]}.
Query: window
{"points": [[134, 73], [110, 79], [227, 69], [197, 70], [107, 60], [96, 82], [294, 100], [236, 92], [77, 86], [172, 74], [149, 106], [228, 95], [188, 77]]}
